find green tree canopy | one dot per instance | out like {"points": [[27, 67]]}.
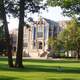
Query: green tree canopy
{"points": [[69, 7], [67, 40], [71, 36]]}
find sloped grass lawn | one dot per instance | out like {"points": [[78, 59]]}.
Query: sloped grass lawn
{"points": [[41, 70]]}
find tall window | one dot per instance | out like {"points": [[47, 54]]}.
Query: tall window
{"points": [[40, 31], [25, 44]]}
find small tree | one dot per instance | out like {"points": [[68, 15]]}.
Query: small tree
{"points": [[71, 35], [55, 44]]}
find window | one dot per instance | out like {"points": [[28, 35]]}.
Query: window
{"points": [[34, 33], [40, 31], [45, 32], [25, 44], [39, 34]]}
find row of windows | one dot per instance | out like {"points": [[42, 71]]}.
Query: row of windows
{"points": [[39, 32]]}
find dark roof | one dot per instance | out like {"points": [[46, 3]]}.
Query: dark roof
{"points": [[52, 23]]}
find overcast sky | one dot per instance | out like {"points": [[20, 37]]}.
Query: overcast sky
{"points": [[53, 13]]}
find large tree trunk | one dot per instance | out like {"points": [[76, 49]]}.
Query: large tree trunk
{"points": [[20, 36], [9, 45]]}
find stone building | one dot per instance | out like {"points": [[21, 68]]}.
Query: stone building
{"points": [[36, 37]]}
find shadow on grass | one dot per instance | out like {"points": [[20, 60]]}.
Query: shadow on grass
{"points": [[41, 68], [46, 61], [8, 78], [3, 59], [52, 61], [58, 69], [61, 79]]}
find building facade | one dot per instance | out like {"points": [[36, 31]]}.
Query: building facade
{"points": [[36, 36]]}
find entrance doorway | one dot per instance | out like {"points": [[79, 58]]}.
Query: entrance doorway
{"points": [[40, 45]]}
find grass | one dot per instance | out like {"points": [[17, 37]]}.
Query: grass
{"points": [[41, 70]]}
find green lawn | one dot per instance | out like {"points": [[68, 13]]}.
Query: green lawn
{"points": [[41, 70]]}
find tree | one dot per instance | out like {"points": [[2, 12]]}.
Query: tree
{"points": [[31, 7], [70, 7], [55, 44], [71, 37], [17, 8], [7, 36], [67, 40], [20, 35], [74, 29]]}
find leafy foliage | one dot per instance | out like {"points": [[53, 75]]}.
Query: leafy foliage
{"points": [[71, 36], [67, 40], [55, 44], [12, 6], [69, 7]]}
